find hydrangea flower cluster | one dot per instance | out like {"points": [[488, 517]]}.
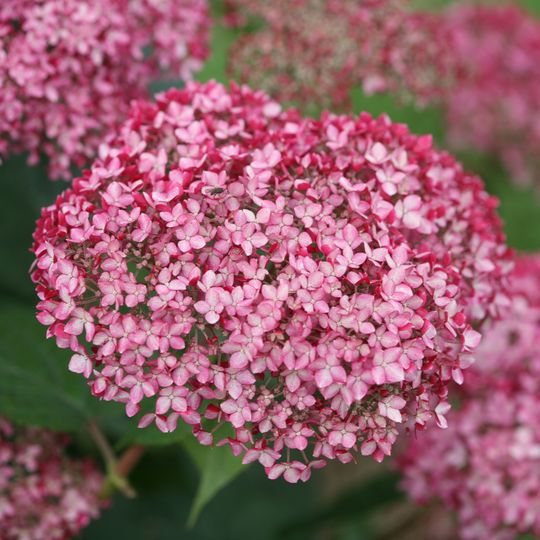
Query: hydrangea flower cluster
{"points": [[413, 59], [69, 68], [315, 51], [312, 52], [477, 61], [295, 288], [486, 465], [494, 101], [43, 494]]}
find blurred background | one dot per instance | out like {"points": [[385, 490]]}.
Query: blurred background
{"points": [[355, 502]]}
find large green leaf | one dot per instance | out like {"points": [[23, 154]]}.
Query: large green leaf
{"points": [[35, 384], [533, 6], [519, 206], [25, 190], [355, 504], [166, 482], [152, 436], [217, 467], [221, 40], [36, 387]]}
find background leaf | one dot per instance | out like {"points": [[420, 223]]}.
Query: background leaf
{"points": [[151, 436], [36, 387], [25, 190], [217, 467], [355, 504], [166, 480], [222, 37]]}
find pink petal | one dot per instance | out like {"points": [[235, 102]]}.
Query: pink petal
{"points": [[276, 471], [212, 317], [323, 378], [80, 364]]}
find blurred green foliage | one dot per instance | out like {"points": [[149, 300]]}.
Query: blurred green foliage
{"points": [[35, 386], [25, 190]]}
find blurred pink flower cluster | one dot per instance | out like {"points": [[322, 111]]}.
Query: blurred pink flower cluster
{"points": [[43, 494], [478, 62], [296, 288], [313, 52], [69, 68], [493, 102], [486, 465]]}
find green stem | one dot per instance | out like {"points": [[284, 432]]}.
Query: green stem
{"points": [[117, 469]]}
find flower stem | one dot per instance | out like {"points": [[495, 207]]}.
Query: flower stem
{"points": [[129, 459], [118, 469]]}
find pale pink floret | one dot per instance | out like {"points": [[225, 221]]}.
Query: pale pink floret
{"points": [[252, 288]]}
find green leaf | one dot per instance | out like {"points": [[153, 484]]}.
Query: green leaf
{"points": [[533, 6], [217, 467], [520, 206], [221, 40], [166, 481], [151, 436], [355, 504], [25, 190], [36, 387], [430, 5]]}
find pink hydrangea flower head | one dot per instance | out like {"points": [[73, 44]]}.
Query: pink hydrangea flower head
{"points": [[477, 61], [486, 465], [44, 494], [294, 287], [312, 52], [493, 102], [69, 68]]}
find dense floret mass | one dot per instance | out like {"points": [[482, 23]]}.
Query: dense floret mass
{"points": [[296, 288], [69, 68], [44, 495], [486, 465]]}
